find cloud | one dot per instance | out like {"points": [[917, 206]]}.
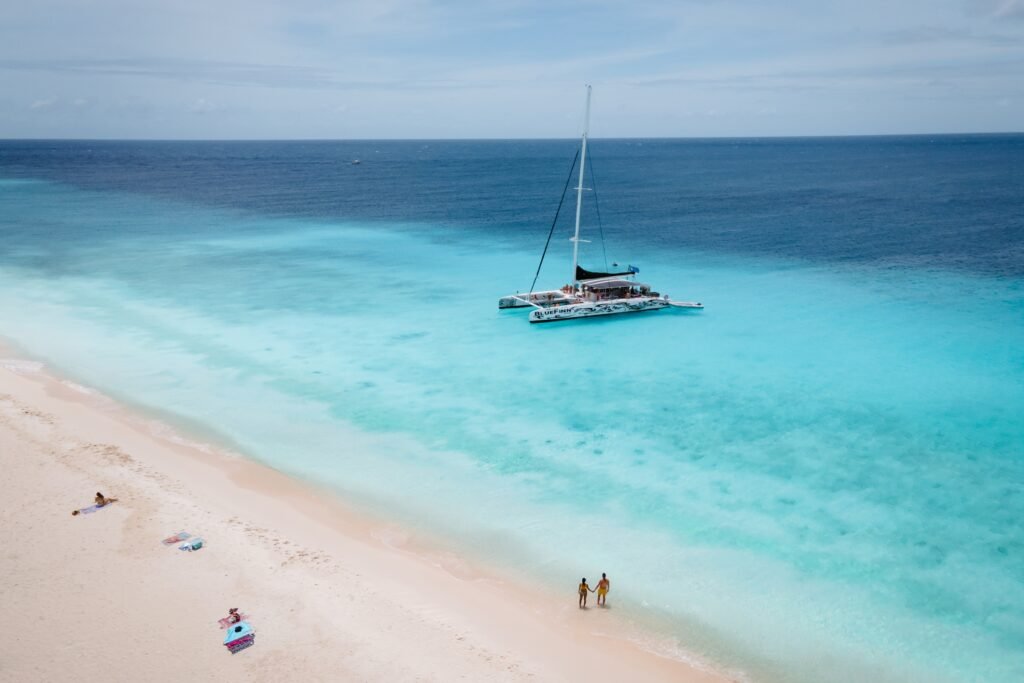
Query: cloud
{"points": [[998, 9], [203, 106], [841, 75], [235, 74], [940, 34], [48, 103], [204, 71]]}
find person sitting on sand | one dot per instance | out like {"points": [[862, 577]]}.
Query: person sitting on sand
{"points": [[233, 616], [102, 500], [603, 586], [584, 589]]}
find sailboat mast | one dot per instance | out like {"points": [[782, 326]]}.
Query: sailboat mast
{"points": [[579, 192]]}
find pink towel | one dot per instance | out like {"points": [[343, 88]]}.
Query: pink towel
{"points": [[177, 538]]}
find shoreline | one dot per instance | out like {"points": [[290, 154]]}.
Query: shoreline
{"points": [[333, 592]]}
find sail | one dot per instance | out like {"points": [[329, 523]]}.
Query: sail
{"points": [[582, 274]]}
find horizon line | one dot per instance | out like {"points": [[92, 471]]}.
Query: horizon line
{"points": [[523, 139]]}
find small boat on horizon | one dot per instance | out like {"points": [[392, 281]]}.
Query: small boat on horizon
{"points": [[589, 294]]}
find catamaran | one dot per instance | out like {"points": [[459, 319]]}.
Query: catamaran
{"points": [[589, 293]]}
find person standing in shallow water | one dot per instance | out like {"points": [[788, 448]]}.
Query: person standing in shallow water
{"points": [[603, 586], [584, 589]]}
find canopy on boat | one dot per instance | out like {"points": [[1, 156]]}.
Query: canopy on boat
{"points": [[615, 284], [582, 274]]}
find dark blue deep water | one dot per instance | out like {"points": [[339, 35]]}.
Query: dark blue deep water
{"points": [[946, 202]]}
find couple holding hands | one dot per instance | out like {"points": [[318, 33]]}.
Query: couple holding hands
{"points": [[603, 586]]}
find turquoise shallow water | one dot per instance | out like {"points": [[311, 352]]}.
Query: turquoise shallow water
{"points": [[816, 478]]}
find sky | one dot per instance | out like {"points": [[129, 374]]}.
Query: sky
{"points": [[319, 69]]}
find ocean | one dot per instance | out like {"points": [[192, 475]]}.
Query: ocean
{"points": [[819, 477]]}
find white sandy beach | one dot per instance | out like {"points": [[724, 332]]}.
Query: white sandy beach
{"points": [[332, 595]]}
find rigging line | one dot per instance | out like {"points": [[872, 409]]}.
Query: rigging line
{"points": [[593, 183], [554, 222]]}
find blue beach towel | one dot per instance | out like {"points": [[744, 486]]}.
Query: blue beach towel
{"points": [[237, 632], [194, 544]]}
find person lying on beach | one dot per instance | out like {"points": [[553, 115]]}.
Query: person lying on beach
{"points": [[584, 589], [102, 500], [603, 586], [234, 616]]}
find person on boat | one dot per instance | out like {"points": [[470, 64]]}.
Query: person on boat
{"points": [[584, 589], [102, 500], [603, 586]]}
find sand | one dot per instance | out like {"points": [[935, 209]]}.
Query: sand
{"points": [[333, 595]]}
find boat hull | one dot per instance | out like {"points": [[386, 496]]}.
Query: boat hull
{"points": [[594, 309]]}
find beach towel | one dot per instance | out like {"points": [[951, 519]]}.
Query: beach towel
{"points": [[89, 510], [242, 643], [226, 621], [239, 637], [177, 538], [194, 544]]}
